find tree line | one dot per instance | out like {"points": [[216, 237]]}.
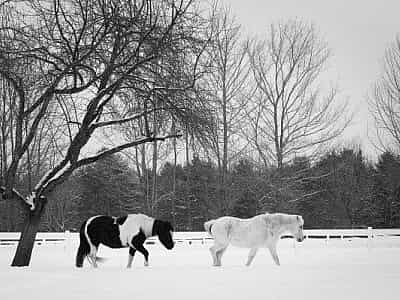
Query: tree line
{"points": [[208, 121], [340, 190]]}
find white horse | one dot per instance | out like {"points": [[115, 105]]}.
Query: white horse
{"points": [[261, 231]]}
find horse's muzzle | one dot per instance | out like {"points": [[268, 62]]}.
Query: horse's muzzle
{"points": [[300, 239], [171, 246]]}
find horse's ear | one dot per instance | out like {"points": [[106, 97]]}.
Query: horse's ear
{"points": [[300, 219], [170, 226]]}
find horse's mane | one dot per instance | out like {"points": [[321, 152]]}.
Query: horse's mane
{"points": [[280, 221]]}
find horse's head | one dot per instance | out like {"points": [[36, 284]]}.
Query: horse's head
{"points": [[297, 229], [164, 231]]}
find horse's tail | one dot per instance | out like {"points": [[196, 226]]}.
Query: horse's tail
{"points": [[208, 225], [84, 247]]}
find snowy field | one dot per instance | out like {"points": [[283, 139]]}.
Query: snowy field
{"points": [[341, 269]]}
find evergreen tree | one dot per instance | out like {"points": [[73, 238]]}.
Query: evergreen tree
{"points": [[107, 187], [243, 190], [344, 180], [195, 195], [166, 196], [386, 192], [202, 199]]}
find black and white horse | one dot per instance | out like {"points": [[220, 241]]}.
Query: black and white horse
{"points": [[121, 232]]}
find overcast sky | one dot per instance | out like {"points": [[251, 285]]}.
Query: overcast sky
{"points": [[357, 31]]}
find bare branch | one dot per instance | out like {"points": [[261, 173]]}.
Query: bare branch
{"points": [[292, 113], [384, 102], [124, 120]]}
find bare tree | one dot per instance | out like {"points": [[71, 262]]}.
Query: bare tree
{"points": [[227, 81], [384, 102], [86, 52], [42, 151], [291, 113], [194, 115]]}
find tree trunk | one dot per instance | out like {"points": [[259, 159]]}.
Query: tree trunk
{"points": [[155, 160], [225, 150], [11, 216], [145, 177], [154, 177], [187, 187], [174, 178], [23, 254]]}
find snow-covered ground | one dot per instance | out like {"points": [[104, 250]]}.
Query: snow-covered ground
{"points": [[341, 269]]}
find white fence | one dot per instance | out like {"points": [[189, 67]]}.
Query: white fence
{"points": [[67, 237], [368, 236]]}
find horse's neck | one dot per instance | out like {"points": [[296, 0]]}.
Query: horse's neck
{"points": [[282, 230], [145, 223], [148, 227]]}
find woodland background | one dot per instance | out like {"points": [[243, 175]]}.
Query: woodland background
{"points": [[341, 190], [167, 108]]}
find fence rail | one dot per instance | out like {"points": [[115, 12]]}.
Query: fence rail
{"points": [[67, 238]]}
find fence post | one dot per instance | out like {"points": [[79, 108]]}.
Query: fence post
{"points": [[67, 241], [370, 236], [296, 251]]}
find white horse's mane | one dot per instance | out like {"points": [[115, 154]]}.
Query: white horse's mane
{"points": [[279, 223]]}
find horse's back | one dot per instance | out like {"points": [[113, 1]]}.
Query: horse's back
{"points": [[247, 233], [104, 230], [133, 225]]}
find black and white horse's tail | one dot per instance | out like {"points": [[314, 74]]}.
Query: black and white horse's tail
{"points": [[208, 225], [84, 247]]}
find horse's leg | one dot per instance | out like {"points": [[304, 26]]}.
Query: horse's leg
{"points": [[145, 253], [215, 255], [92, 256], [219, 255], [131, 255], [89, 258], [137, 243], [272, 250], [252, 254]]}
